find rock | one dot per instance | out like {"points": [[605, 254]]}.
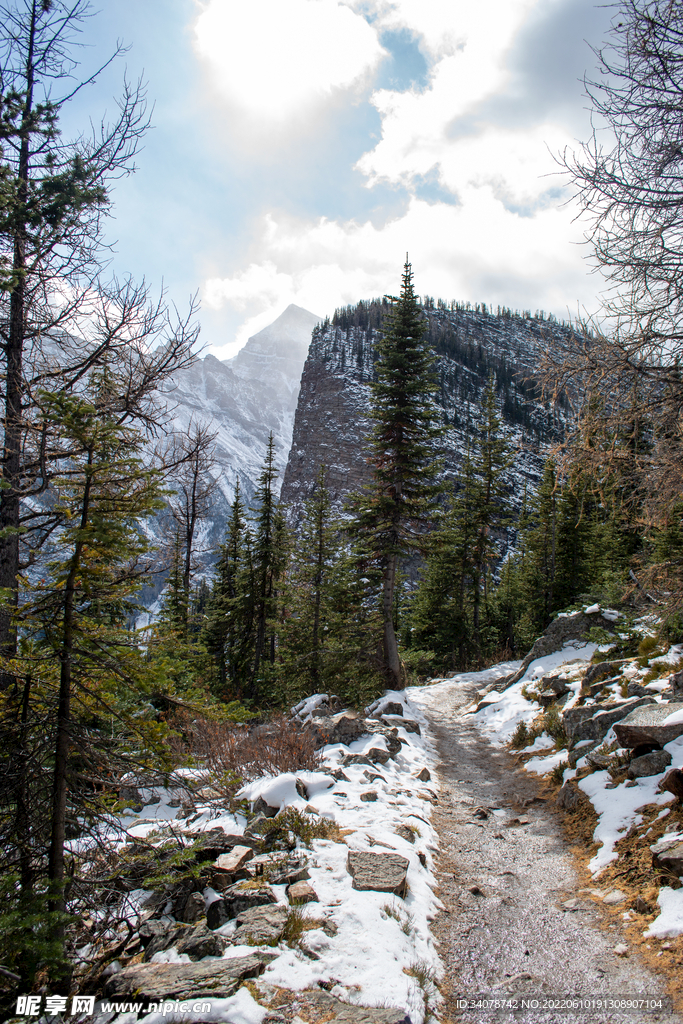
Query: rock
{"points": [[252, 833], [641, 906], [373, 776], [546, 697], [646, 725], [338, 775], [405, 833], [596, 673], [558, 684], [424, 775], [557, 635], [388, 707], [235, 860], [191, 908], [153, 929], [216, 914], [260, 926], [301, 892], [409, 724], [578, 752], [649, 764], [571, 905], [621, 949], [476, 890], [676, 680], [613, 898], [349, 759], [215, 841], [636, 690], [378, 755], [601, 762], [164, 940], [673, 783], [570, 797], [330, 928], [261, 807], [594, 722], [203, 942], [343, 728], [382, 872], [670, 859], [481, 813], [301, 789], [293, 869], [156, 982], [369, 796], [243, 896], [393, 742]]}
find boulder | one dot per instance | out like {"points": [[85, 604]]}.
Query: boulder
{"points": [[570, 798], [369, 796], [676, 680], [669, 859], [594, 722], [235, 860], [203, 942], [214, 842], [260, 926], [597, 673], [216, 914], [558, 635], [409, 724], [343, 728], [673, 783], [424, 775], [301, 892], [156, 982], [405, 833], [153, 929], [649, 764], [378, 755], [558, 684], [261, 807], [389, 707], [355, 759], [189, 908], [575, 755], [382, 872], [278, 869], [243, 896], [164, 940], [646, 725]]}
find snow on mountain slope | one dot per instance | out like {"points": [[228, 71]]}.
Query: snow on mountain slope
{"points": [[247, 397]]}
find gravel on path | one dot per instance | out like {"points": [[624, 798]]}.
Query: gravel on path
{"points": [[505, 873]]}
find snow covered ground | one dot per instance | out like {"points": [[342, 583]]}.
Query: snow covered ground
{"points": [[382, 946]]}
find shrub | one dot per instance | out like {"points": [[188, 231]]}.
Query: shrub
{"points": [[520, 737], [236, 754]]}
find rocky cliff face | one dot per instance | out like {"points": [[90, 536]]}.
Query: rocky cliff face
{"points": [[332, 423]]}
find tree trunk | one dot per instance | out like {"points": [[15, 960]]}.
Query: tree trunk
{"points": [[391, 659], [63, 740], [11, 459]]}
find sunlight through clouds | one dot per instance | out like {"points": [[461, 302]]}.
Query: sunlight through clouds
{"points": [[273, 57]]}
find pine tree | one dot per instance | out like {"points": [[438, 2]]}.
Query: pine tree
{"points": [[269, 559], [230, 630], [396, 511]]}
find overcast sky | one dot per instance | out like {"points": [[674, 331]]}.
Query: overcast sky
{"points": [[301, 147]]}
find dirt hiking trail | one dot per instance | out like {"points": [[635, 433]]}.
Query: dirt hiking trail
{"points": [[505, 871]]}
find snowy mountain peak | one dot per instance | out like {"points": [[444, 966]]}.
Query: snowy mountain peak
{"points": [[285, 341]]}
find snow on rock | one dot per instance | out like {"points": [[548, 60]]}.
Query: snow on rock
{"points": [[498, 721]]}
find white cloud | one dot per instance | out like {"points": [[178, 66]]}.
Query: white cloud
{"points": [[274, 58], [479, 251]]}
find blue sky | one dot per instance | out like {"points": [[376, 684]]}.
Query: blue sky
{"points": [[301, 147]]}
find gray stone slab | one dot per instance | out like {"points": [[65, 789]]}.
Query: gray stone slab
{"points": [[260, 926], [649, 764], [593, 722], [646, 725], [671, 859], [154, 982], [382, 872]]}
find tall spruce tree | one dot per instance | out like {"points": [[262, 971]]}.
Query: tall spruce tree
{"points": [[394, 514], [269, 555]]}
